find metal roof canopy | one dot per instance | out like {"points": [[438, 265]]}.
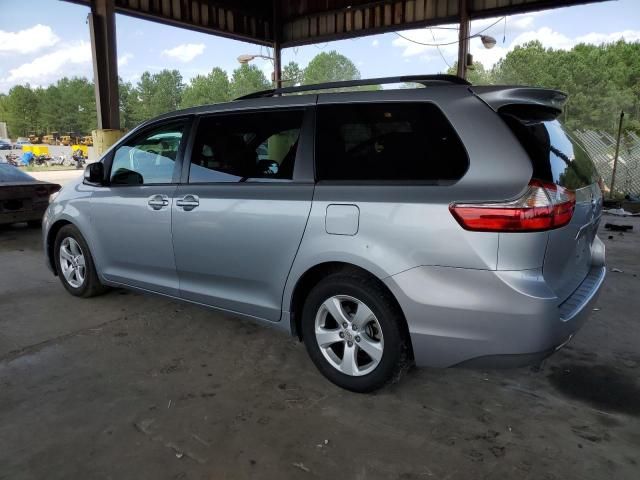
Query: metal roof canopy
{"points": [[281, 24], [312, 21]]}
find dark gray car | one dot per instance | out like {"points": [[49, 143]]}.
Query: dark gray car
{"points": [[446, 225]]}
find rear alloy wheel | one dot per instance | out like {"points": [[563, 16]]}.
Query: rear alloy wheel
{"points": [[349, 335], [353, 332], [74, 264]]}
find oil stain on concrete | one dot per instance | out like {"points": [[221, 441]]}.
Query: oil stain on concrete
{"points": [[603, 387]]}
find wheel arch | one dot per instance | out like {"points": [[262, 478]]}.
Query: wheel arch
{"points": [[51, 240], [315, 274]]}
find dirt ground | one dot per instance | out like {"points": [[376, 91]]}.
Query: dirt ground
{"points": [[127, 386]]}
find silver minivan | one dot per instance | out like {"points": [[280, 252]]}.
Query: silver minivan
{"points": [[450, 225]]}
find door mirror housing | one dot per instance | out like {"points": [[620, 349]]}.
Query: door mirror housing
{"points": [[94, 174]]}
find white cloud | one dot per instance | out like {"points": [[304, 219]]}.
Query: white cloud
{"points": [[599, 38], [375, 43], [29, 40], [70, 60], [185, 52], [123, 60]]}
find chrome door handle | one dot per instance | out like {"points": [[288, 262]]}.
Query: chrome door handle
{"points": [[188, 202], [158, 201]]}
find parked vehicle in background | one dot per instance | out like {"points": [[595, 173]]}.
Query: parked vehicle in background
{"points": [[447, 225], [51, 139], [22, 197], [5, 144], [22, 141]]}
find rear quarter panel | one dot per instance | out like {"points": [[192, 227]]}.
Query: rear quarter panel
{"points": [[405, 225]]}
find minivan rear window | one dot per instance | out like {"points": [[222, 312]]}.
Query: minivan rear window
{"points": [[387, 141], [555, 155]]}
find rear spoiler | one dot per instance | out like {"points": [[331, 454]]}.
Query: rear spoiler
{"points": [[530, 103]]}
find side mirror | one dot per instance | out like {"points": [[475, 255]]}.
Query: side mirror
{"points": [[94, 173]]}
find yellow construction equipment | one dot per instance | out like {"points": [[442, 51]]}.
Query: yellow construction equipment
{"points": [[36, 149], [50, 139], [83, 148], [87, 140], [65, 140]]}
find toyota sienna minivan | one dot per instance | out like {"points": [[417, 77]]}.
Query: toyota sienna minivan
{"points": [[450, 225]]}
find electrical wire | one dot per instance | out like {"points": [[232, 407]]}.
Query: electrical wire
{"points": [[439, 51], [449, 43]]}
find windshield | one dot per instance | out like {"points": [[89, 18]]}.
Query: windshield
{"points": [[9, 173]]}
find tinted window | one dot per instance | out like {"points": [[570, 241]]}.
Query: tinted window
{"points": [[555, 155], [233, 148], [387, 141], [149, 158]]}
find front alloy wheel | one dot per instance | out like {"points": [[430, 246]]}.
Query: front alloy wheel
{"points": [[72, 262]]}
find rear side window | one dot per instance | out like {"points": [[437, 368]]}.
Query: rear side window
{"points": [[555, 155], [237, 147], [387, 142]]}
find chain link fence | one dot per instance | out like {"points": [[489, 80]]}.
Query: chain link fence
{"points": [[601, 147]]}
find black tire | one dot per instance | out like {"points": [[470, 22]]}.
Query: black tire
{"points": [[395, 359], [91, 286]]}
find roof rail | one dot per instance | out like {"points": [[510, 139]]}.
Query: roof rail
{"points": [[422, 79]]}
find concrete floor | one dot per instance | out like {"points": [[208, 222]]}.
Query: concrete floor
{"points": [[127, 386], [57, 176]]}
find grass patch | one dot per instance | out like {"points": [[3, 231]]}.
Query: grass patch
{"points": [[44, 168]]}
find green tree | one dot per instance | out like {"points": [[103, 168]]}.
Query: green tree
{"points": [[477, 75], [22, 110], [206, 89], [129, 105], [158, 93], [3, 107], [600, 80], [329, 67], [291, 74], [247, 79]]}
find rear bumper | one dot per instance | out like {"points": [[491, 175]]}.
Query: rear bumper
{"points": [[27, 215], [489, 319]]}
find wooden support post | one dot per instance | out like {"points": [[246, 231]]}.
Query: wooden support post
{"points": [[277, 46], [102, 29], [463, 38]]}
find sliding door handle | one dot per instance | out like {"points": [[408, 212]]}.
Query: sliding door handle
{"points": [[188, 202]]}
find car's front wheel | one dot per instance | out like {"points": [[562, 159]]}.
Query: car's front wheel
{"points": [[353, 332], [74, 264]]}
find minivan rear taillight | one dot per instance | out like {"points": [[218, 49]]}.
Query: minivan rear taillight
{"points": [[543, 206]]}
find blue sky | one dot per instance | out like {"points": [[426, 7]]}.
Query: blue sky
{"points": [[44, 40]]}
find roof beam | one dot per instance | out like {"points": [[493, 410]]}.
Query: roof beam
{"points": [[359, 18], [225, 19]]}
